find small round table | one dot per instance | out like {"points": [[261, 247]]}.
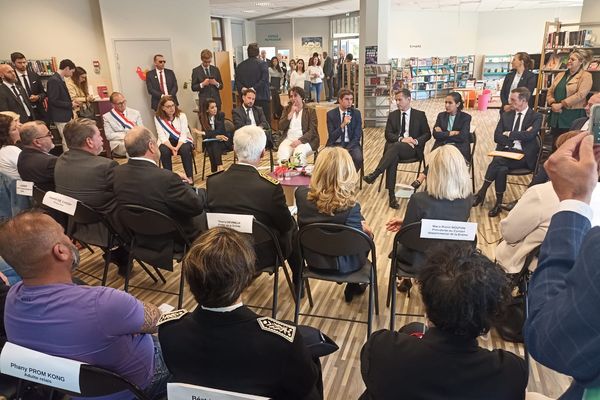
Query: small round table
{"points": [[290, 185]]}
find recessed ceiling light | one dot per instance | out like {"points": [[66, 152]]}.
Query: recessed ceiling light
{"points": [[249, 11], [262, 4]]}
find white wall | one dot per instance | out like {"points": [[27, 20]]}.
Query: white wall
{"points": [[63, 29], [186, 24], [310, 27], [274, 33]]}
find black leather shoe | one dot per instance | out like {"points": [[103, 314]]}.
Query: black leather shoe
{"points": [[495, 211], [370, 178], [348, 293], [478, 199], [354, 289], [394, 203], [405, 285], [416, 184]]}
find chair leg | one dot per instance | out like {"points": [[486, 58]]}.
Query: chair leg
{"points": [[376, 290], [393, 294], [106, 263], [147, 271], [204, 165], [362, 175], [389, 291], [162, 278], [299, 285], [128, 272], [194, 161], [309, 294], [271, 159], [289, 281], [181, 288], [275, 293], [370, 311]]}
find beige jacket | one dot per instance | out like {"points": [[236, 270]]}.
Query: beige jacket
{"points": [[577, 90]]}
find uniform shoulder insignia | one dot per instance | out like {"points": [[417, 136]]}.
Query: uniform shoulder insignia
{"points": [[288, 332], [171, 316], [215, 173], [269, 178]]}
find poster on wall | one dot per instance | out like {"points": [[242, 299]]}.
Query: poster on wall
{"points": [[370, 54], [312, 41]]}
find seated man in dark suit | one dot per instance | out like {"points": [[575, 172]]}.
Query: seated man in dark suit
{"points": [[260, 195], [222, 343], [143, 183], [516, 132], [35, 164], [344, 126], [82, 174], [462, 291], [250, 114], [406, 132]]}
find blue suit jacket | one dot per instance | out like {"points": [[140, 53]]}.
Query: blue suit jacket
{"points": [[335, 132], [60, 106], [563, 328]]}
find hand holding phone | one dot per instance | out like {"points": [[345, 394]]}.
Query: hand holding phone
{"points": [[594, 124]]}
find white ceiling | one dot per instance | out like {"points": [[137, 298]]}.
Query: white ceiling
{"points": [[321, 8]]}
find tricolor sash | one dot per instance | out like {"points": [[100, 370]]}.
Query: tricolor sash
{"points": [[122, 119], [170, 129]]}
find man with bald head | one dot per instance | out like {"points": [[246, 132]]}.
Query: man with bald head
{"points": [[12, 95], [582, 124], [93, 324], [118, 121], [140, 181], [35, 163]]}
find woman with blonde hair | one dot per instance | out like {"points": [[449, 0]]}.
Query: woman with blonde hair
{"points": [[331, 198], [448, 197]]}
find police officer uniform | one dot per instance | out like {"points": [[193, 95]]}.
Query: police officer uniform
{"points": [[233, 348]]}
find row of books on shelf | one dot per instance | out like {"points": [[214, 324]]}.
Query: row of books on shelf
{"points": [[496, 70], [433, 78], [378, 80], [582, 37], [380, 91], [377, 69], [40, 67], [559, 61]]}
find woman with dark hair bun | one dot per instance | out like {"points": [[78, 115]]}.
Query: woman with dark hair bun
{"points": [[452, 126], [519, 76]]}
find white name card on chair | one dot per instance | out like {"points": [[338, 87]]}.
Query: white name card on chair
{"points": [[184, 391], [239, 222], [35, 366], [448, 230], [60, 202], [25, 188]]}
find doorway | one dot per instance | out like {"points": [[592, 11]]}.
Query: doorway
{"points": [[350, 45]]}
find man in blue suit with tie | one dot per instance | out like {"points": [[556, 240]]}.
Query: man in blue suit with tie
{"points": [[562, 331], [344, 127]]}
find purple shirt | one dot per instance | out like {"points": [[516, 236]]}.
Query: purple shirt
{"points": [[92, 324]]}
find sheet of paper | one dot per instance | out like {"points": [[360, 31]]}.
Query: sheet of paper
{"points": [[39, 367], [448, 230], [184, 391], [60, 202], [165, 308], [25, 188], [239, 222], [506, 154]]}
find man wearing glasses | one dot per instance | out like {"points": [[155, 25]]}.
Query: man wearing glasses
{"points": [[118, 121], [35, 164], [161, 81]]}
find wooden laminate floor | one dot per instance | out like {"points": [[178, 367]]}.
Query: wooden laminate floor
{"points": [[341, 370]]}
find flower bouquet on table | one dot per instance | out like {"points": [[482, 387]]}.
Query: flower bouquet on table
{"points": [[288, 168]]}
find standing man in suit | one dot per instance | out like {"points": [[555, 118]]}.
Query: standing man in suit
{"points": [[142, 182], [328, 71], [516, 132], [35, 163], [406, 132], [338, 68], [31, 82], [60, 105], [254, 73], [12, 95], [84, 175], [161, 82], [206, 80], [118, 121], [561, 330], [344, 127]]}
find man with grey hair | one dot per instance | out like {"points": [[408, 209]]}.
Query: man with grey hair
{"points": [[259, 195], [118, 121], [140, 181], [35, 163]]}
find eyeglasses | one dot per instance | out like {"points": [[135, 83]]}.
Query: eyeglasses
{"points": [[49, 134], [161, 61]]}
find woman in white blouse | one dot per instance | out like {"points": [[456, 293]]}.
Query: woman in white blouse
{"points": [[298, 76], [9, 152], [174, 136], [288, 74], [315, 75]]}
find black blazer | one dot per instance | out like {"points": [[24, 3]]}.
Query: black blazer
{"points": [[395, 365], [209, 91], [60, 105], [241, 119], [334, 122], [37, 167], [10, 102], [153, 86], [418, 128], [143, 183], [462, 123], [254, 73], [527, 136], [579, 123], [219, 127], [528, 80], [309, 214]]}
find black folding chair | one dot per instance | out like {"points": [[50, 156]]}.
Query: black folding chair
{"points": [[155, 239], [421, 168], [526, 171], [408, 239], [473, 145], [335, 240]]}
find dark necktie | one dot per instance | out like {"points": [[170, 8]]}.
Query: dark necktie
{"points": [[403, 124], [21, 99], [518, 122], [248, 115], [26, 85], [206, 72]]}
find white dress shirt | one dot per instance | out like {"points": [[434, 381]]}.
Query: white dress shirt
{"points": [[517, 143], [180, 123], [248, 111], [144, 159], [19, 97], [342, 115], [295, 129], [406, 133]]}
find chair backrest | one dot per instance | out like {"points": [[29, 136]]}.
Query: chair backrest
{"points": [[38, 196], [85, 214], [540, 141], [184, 391], [62, 375], [334, 240], [264, 236], [229, 127], [473, 141]]}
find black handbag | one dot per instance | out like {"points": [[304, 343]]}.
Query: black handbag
{"points": [[86, 111]]}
